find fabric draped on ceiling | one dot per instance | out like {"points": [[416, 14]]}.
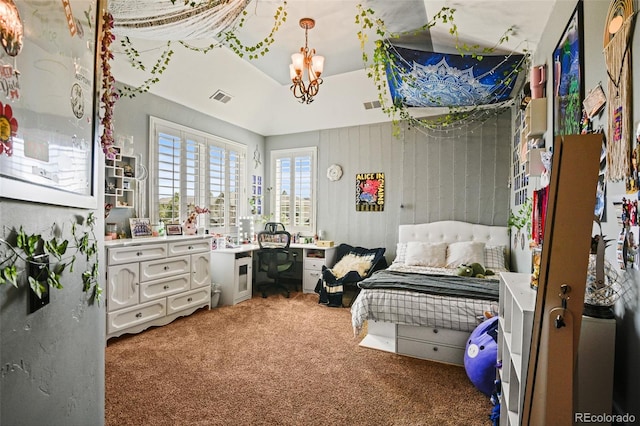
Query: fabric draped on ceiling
{"points": [[154, 20], [428, 79]]}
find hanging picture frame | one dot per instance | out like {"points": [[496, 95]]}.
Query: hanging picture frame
{"points": [[370, 192], [568, 84], [50, 104]]}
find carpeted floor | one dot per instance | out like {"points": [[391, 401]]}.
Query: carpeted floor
{"points": [[278, 361]]}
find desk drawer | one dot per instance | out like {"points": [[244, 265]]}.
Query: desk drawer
{"points": [[313, 264]]}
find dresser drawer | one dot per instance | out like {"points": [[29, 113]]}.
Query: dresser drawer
{"points": [[313, 264], [156, 269], [135, 253], [435, 335], [129, 317], [188, 300], [189, 246], [150, 290]]}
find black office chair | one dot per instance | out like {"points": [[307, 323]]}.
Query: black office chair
{"points": [[274, 256]]}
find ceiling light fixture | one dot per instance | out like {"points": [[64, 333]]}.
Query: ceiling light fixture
{"points": [[309, 61]]}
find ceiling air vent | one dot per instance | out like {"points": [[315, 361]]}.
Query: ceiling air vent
{"points": [[220, 96], [372, 105]]}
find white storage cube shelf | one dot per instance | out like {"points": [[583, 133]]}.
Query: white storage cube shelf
{"points": [[516, 309]]}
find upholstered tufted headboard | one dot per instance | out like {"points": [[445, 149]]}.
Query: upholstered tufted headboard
{"points": [[451, 231]]}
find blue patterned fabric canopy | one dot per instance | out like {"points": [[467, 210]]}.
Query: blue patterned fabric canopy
{"points": [[428, 79]]}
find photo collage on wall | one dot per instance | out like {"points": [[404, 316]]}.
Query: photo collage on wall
{"points": [[627, 212], [627, 241], [255, 201]]}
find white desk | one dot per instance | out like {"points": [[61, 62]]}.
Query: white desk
{"points": [[232, 268]]}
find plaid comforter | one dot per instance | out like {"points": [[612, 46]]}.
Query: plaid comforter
{"points": [[434, 300]]}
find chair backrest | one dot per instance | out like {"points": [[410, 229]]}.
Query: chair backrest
{"points": [[274, 236], [274, 256]]}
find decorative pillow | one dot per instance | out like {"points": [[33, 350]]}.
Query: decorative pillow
{"points": [[494, 259], [401, 252], [466, 252], [426, 254]]}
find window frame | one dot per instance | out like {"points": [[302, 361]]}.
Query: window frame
{"points": [[291, 153], [203, 141]]}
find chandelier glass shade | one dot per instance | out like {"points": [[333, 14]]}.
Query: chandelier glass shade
{"points": [[306, 62]]}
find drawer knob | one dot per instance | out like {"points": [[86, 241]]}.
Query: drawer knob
{"points": [[139, 253], [190, 299], [139, 315], [166, 287], [166, 268], [435, 330], [190, 247], [435, 349]]}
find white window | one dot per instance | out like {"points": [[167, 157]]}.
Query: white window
{"points": [[192, 168], [293, 189]]}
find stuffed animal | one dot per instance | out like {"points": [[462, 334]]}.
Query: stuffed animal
{"points": [[473, 270], [190, 225], [464, 271]]}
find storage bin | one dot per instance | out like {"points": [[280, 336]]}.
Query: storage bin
{"points": [[215, 295]]}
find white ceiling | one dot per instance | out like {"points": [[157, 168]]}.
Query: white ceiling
{"points": [[261, 99]]}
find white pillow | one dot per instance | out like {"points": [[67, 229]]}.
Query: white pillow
{"points": [[426, 254], [466, 252], [494, 259], [401, 252]]}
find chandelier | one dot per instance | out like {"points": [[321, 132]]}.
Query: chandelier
{"points": [[309, 61]]}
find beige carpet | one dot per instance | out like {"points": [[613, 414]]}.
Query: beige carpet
{"points": [[278, 361]]}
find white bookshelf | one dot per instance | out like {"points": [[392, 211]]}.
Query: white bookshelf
{"points": [[516, 308]]}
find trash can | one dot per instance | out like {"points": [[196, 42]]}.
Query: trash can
{"points": [[215, 295]]}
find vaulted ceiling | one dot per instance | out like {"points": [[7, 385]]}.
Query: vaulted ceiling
{"points": [[259, 89]]}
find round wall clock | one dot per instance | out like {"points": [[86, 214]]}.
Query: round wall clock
{"points": [[334, 172]]}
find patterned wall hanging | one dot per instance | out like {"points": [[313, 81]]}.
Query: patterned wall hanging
{"points": [[370, 192], [617, 52]]}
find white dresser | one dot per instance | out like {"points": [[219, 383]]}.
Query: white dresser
{"points": [[153, 281]]}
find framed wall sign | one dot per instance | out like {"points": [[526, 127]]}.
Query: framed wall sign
{"points": [[48, 114]]}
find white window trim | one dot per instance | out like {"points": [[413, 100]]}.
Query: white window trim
{"points": [[155, 122], [278, 153]]}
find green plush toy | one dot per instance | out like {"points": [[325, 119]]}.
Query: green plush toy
{"points": [[478, 269], [474, 270], [464, 271]]}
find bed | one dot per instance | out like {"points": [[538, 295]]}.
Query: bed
{"points": [[419, 306]]}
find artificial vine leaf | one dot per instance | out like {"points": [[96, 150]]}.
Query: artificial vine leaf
{"points": [[37, 287], [10, 274]]}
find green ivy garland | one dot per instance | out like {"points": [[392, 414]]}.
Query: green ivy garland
{"points": [[380, 63], [27, 248], [228, 38]]}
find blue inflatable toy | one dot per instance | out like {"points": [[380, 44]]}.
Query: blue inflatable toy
{"points": [[481, 354]]}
